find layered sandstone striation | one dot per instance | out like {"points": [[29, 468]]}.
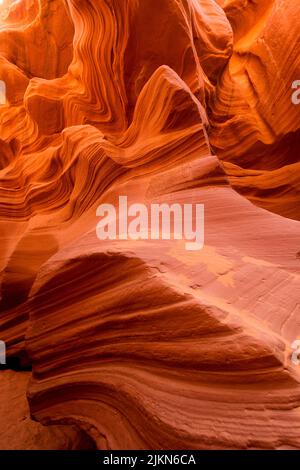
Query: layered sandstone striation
{"points": [[142, 344], [20, 432]]}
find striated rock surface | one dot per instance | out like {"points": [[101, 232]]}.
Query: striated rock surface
{"points": [[143, 344], [255, 128], [20, 432]]}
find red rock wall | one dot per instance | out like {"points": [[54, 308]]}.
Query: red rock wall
{"points": [[144, 344]]}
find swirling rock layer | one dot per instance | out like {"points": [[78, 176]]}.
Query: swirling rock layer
{"points": [[142, 344], [21, 433]]}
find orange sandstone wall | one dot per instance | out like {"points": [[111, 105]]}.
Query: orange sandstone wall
{"points": [[144, 345]]}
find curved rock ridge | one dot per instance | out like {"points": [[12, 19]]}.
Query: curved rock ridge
{"points": [[254, 124], [21, 432], [16, 13], [141, 344]]}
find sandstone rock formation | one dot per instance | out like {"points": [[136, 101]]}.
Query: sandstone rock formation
{"points": [[20, 432], [142, 344]]}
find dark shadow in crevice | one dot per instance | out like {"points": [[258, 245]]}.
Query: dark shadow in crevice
{"points": [[17, 363]]}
